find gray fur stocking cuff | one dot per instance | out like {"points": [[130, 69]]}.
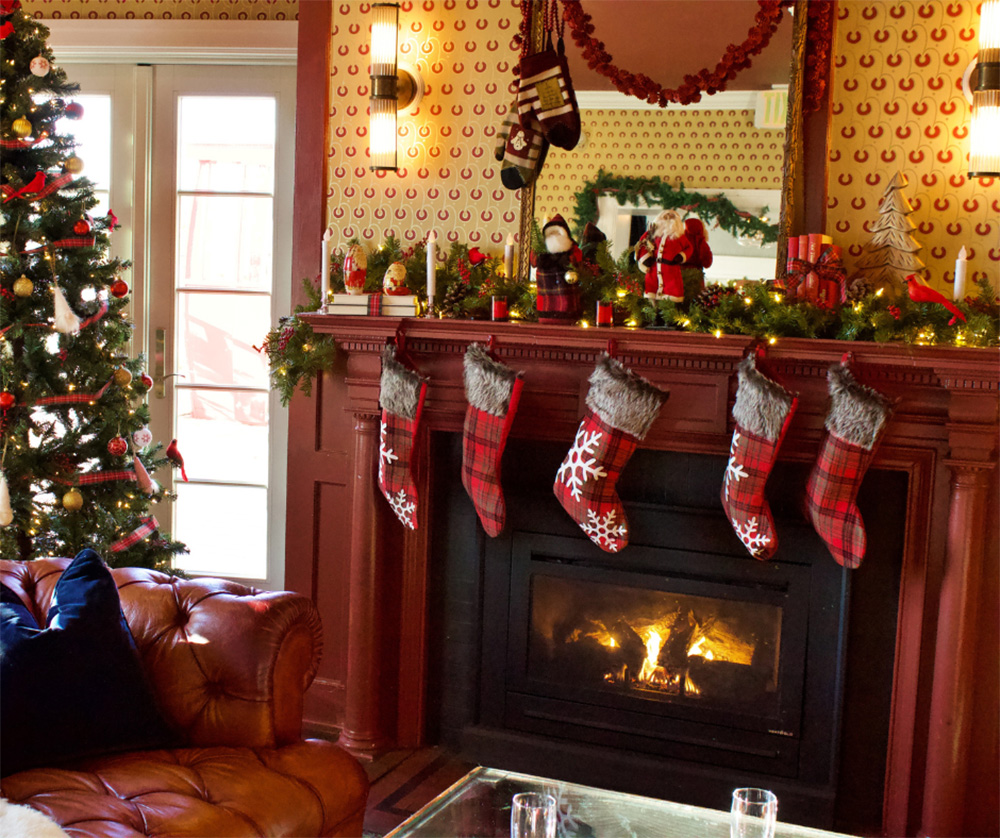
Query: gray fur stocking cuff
{"points": [[488, 383], [624, 400], [762, 405], [857, 413], [400, 387]]}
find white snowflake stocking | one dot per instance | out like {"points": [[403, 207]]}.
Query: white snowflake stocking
{"points": [[621, 407]]}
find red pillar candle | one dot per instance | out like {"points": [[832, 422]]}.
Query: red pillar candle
{"points": [[499, 308], [604, 314]]}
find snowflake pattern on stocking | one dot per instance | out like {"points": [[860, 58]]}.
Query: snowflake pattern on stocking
{"points": [[404, 508], [752, 539], [580, 464], [735, 470], [603, 531], [385, 455]]}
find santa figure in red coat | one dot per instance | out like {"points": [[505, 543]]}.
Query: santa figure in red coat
{"points": [[660, 253]]}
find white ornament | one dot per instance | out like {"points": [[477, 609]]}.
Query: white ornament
{"points": [[66, 322], [604, 532], [752, 539], [6, 513], [580, 464], [142, 437], [735, 470], [385, 455], [39, 66], [404, 508]]}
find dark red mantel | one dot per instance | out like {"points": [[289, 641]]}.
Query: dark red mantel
{"points": [[943, 435]]}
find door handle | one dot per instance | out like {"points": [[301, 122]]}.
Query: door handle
{"points": [[159, 364]]}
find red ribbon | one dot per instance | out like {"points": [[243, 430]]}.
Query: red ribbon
{"points": [[19, 143], [93, 477], [147, 527], [75, 398], [76, 241], [829, 266], [37, 188]]}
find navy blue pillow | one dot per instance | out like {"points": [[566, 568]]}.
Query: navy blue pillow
{"points": [[76, 688]]}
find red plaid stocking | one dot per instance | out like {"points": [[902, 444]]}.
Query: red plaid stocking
{"points": [[493, 391], [621, 406], [763, 411], [547, 93], [857, 418], [402, 399]]}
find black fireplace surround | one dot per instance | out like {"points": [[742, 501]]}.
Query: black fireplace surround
{"points": [[681, 667]]}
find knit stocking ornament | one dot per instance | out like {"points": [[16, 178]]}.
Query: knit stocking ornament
{"points": [[621, 407], [493, 391], [763, 411], [401, 397], [503, 134], [857, 418], [546, 92], [524, 153]]}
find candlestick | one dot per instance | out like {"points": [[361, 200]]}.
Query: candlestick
{"points": [[431, 271], [961, 266], [508, 257], [324, 284]]}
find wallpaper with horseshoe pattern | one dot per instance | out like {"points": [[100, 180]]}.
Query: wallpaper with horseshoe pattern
{"points": [[898, 107], [166, 9]]}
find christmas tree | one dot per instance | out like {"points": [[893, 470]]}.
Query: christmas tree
{"points": [[77, 456], [891, 253]]}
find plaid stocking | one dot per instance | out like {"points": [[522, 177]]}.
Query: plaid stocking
{"points": [[493, 391], [402, 399], [854, 425], [509, 121], [524, 154], [621, 406], [763, 411], [547, 93]]}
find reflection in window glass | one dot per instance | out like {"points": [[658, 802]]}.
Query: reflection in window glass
{"points": [[224, 434], [224, 527], [216, 334], [224, 242]]}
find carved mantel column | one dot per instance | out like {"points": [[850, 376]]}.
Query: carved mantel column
{"points": [[363, 731]]}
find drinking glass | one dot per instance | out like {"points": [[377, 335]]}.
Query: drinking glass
{"points": [[533, 816], [753, 814]]}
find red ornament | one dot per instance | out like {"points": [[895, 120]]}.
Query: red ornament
{"points": [[146, 380], [119, 288], [74, 110], [6, 400], [117, 446], [81, 228]]}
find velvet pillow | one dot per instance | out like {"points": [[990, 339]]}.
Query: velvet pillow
{"points": [[76, 688]]}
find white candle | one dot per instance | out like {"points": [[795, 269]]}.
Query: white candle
{"points": [[324, 284], [961, 265], [508, 257], [431, 270]]}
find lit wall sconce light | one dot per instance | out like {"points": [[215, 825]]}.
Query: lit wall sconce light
{"points": [[984, 130], [396, 87]]}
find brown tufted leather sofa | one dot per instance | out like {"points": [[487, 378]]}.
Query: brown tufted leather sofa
{"points": [[229, 665]]}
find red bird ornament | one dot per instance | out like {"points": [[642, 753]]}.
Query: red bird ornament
{"points": [[175, 457], [921, 292]]}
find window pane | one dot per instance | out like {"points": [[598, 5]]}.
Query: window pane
{"points": [[223, 435], [226, 144], [224, 242], [92, 133], [224, 527], [215, 338]]}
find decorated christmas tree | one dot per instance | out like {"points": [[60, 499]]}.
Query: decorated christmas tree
{"points": [[891, 253], [77, 456]]}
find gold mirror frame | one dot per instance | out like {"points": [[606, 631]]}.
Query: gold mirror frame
{"points": [[792, 183]]}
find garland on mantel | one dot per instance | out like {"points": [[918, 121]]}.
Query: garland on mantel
{"points": [[656, 192]]}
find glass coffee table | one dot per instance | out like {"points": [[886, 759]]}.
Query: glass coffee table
{"points": [[478, 806]]}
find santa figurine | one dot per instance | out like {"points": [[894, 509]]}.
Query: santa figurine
{"points": [[660, 252], [558, 291], [701, 258]]}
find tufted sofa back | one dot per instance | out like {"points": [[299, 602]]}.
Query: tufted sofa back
{"points": [[229, 664]]}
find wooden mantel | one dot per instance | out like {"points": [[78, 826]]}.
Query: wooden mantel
{"points": [[943, 435]]}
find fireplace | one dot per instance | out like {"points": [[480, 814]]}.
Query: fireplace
{"points": [[680, 667]]}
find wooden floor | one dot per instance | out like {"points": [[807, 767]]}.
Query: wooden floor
{"points": [[404, 781]]}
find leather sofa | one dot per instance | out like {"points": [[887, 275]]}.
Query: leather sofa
{"points": [[229, 666]]}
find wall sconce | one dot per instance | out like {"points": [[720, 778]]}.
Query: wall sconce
{"points": [[396, 87], [984, 129]]}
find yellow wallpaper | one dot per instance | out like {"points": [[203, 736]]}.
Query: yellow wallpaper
{"points": [[898, 106], [166, 9], [448, 180], [704, 149]]}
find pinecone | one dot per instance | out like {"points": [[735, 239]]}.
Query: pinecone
{"points": [[709, 298], [451, 302], [859, 289]]}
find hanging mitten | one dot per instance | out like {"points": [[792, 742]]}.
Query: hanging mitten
{"points": [[524, 154], [546, 92], [621, 406], [493, 391], [402, 400], [763, 411], [854, 425]]}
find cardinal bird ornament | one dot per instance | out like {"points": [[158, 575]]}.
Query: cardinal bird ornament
{"points": [[175, 457], [921, 292]]}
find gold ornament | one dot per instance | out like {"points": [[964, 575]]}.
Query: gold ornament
{"points": [[123, 377], [21, 126], [571, 277], [74, 165], [72, 500], [23, 286]]}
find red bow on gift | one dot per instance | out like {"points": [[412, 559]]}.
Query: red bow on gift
{"points": [[829, 266]]}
